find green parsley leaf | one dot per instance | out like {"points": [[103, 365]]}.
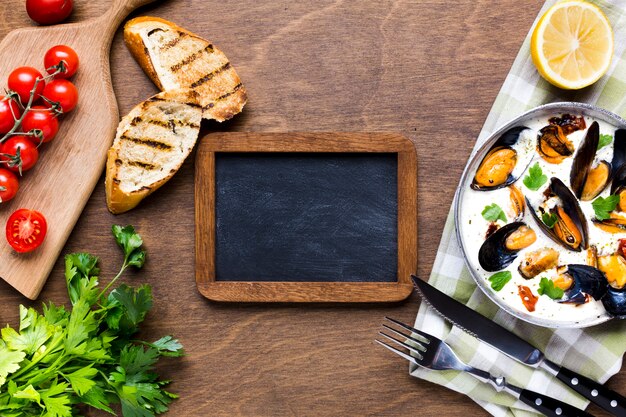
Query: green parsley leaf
{"points": [[604, 206], [535, 178], [499, 279], [546, 287], [82, 379], [9, 361], [168, 346], [493, 213], [604, 140], [28, 393], [549, 219], [135, 304], [131, 243]]}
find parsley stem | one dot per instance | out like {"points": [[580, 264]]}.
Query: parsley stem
{"points": [[119, 274]]}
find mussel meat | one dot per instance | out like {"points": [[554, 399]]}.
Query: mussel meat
{"points": [[592, 256], [618, 187], [517, 202], [503, 165], [615, 224], [537, 261], [553, 145], [614, 267], [570, 226], [569, 123], [501, 248], [588, 182], [588, 281]]}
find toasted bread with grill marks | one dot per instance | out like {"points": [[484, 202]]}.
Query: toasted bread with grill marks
{"points": [[175, 58], [150, 145]]}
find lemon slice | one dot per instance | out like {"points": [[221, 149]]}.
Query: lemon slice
{"points": [[572, 44]]}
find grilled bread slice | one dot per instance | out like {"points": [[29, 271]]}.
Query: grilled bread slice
{"points": [[150, 145], [175, 58]]}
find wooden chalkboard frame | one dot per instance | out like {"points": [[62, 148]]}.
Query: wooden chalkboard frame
{"points": [[237, 291]]}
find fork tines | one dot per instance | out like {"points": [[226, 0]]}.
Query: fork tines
{"points": [[417, 346]]}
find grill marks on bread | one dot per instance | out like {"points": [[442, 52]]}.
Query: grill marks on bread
{"points": [[176, 58]]}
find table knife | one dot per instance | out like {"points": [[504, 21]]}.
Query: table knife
{"points": [[515, 347]]}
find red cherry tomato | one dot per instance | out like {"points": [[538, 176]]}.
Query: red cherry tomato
{"points": [[62, 92], [28, 152], [22, 81], [41, 118], [9, 185], [8, 110], [26, 230], [60, 53], [48, 12]]}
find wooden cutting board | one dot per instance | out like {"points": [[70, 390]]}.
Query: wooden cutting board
{"points": [[69, 167]]}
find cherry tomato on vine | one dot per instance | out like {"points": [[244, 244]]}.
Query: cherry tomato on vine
{"points": [[26, 230], [60, 53], [41, 118], [62, 92], [28, 152], [9, 185], [49, 12], [8, 110], [22, 81]]}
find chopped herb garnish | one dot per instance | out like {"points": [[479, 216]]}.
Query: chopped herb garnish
{"points": [[604, 206], [499, 279], [493, 213], [549, 219], [604, 140], [546, 287], [535, 178]]}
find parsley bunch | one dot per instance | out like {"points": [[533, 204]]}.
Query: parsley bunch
{"points": [[58, 359]]}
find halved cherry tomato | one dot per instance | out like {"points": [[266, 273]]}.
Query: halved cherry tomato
{"points": [[49, 12], [26, 230], [8, 110], [62, 92], [528, 298], [41, 118], [22, 81], [28, 152], [9, 185], [60, 53], [621, 248]]}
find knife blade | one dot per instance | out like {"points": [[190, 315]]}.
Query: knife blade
{"points": [[515, 347]]}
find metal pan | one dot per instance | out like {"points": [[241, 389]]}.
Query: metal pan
{"points": [[544, 111]]}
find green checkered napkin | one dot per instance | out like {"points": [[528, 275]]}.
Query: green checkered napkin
{"points": [[595, 352]]}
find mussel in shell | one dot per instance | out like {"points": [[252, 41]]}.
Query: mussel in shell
{"points": [[569, 123], [588, 182], [619, 150], [588, 282], [518, 203], [535, 262], [500, 249], [615, 302], [618, 187], [553, 145], [569, 227], [616, 223], [502, 165]]}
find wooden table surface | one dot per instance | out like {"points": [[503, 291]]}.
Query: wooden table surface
{"points": [[429, 69]]}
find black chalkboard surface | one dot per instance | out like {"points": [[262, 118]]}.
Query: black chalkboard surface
{"points": [[306, 216]]}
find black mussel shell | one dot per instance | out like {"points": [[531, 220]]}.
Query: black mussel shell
{"points": [[619, 150], [571, 207], [615, 302], [619, 179], [587, 281], [493, 254], [506, 140], [583, 159]]}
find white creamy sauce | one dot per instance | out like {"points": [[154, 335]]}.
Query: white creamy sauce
{"points": [[474, 228]]}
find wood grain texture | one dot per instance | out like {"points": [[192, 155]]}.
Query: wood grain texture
{"points": [[428, 69], [70, 167], [304, 292]]}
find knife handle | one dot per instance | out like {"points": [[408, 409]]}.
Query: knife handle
{"points": [[598, 394], [550, 406]]}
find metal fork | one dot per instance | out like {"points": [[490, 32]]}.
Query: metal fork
{"points": [[433, 353]]}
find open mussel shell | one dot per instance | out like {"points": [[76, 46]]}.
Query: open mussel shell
{"points": [[553, 145], [615, 302], [581, 166], [588, 281], [503, 164], [493, 255], [570, 230], [619, 150]]}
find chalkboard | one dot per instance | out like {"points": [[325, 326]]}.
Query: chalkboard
{"points": [[306, 217]]}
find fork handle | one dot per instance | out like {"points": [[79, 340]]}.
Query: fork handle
{"points": [[550, 406]]}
